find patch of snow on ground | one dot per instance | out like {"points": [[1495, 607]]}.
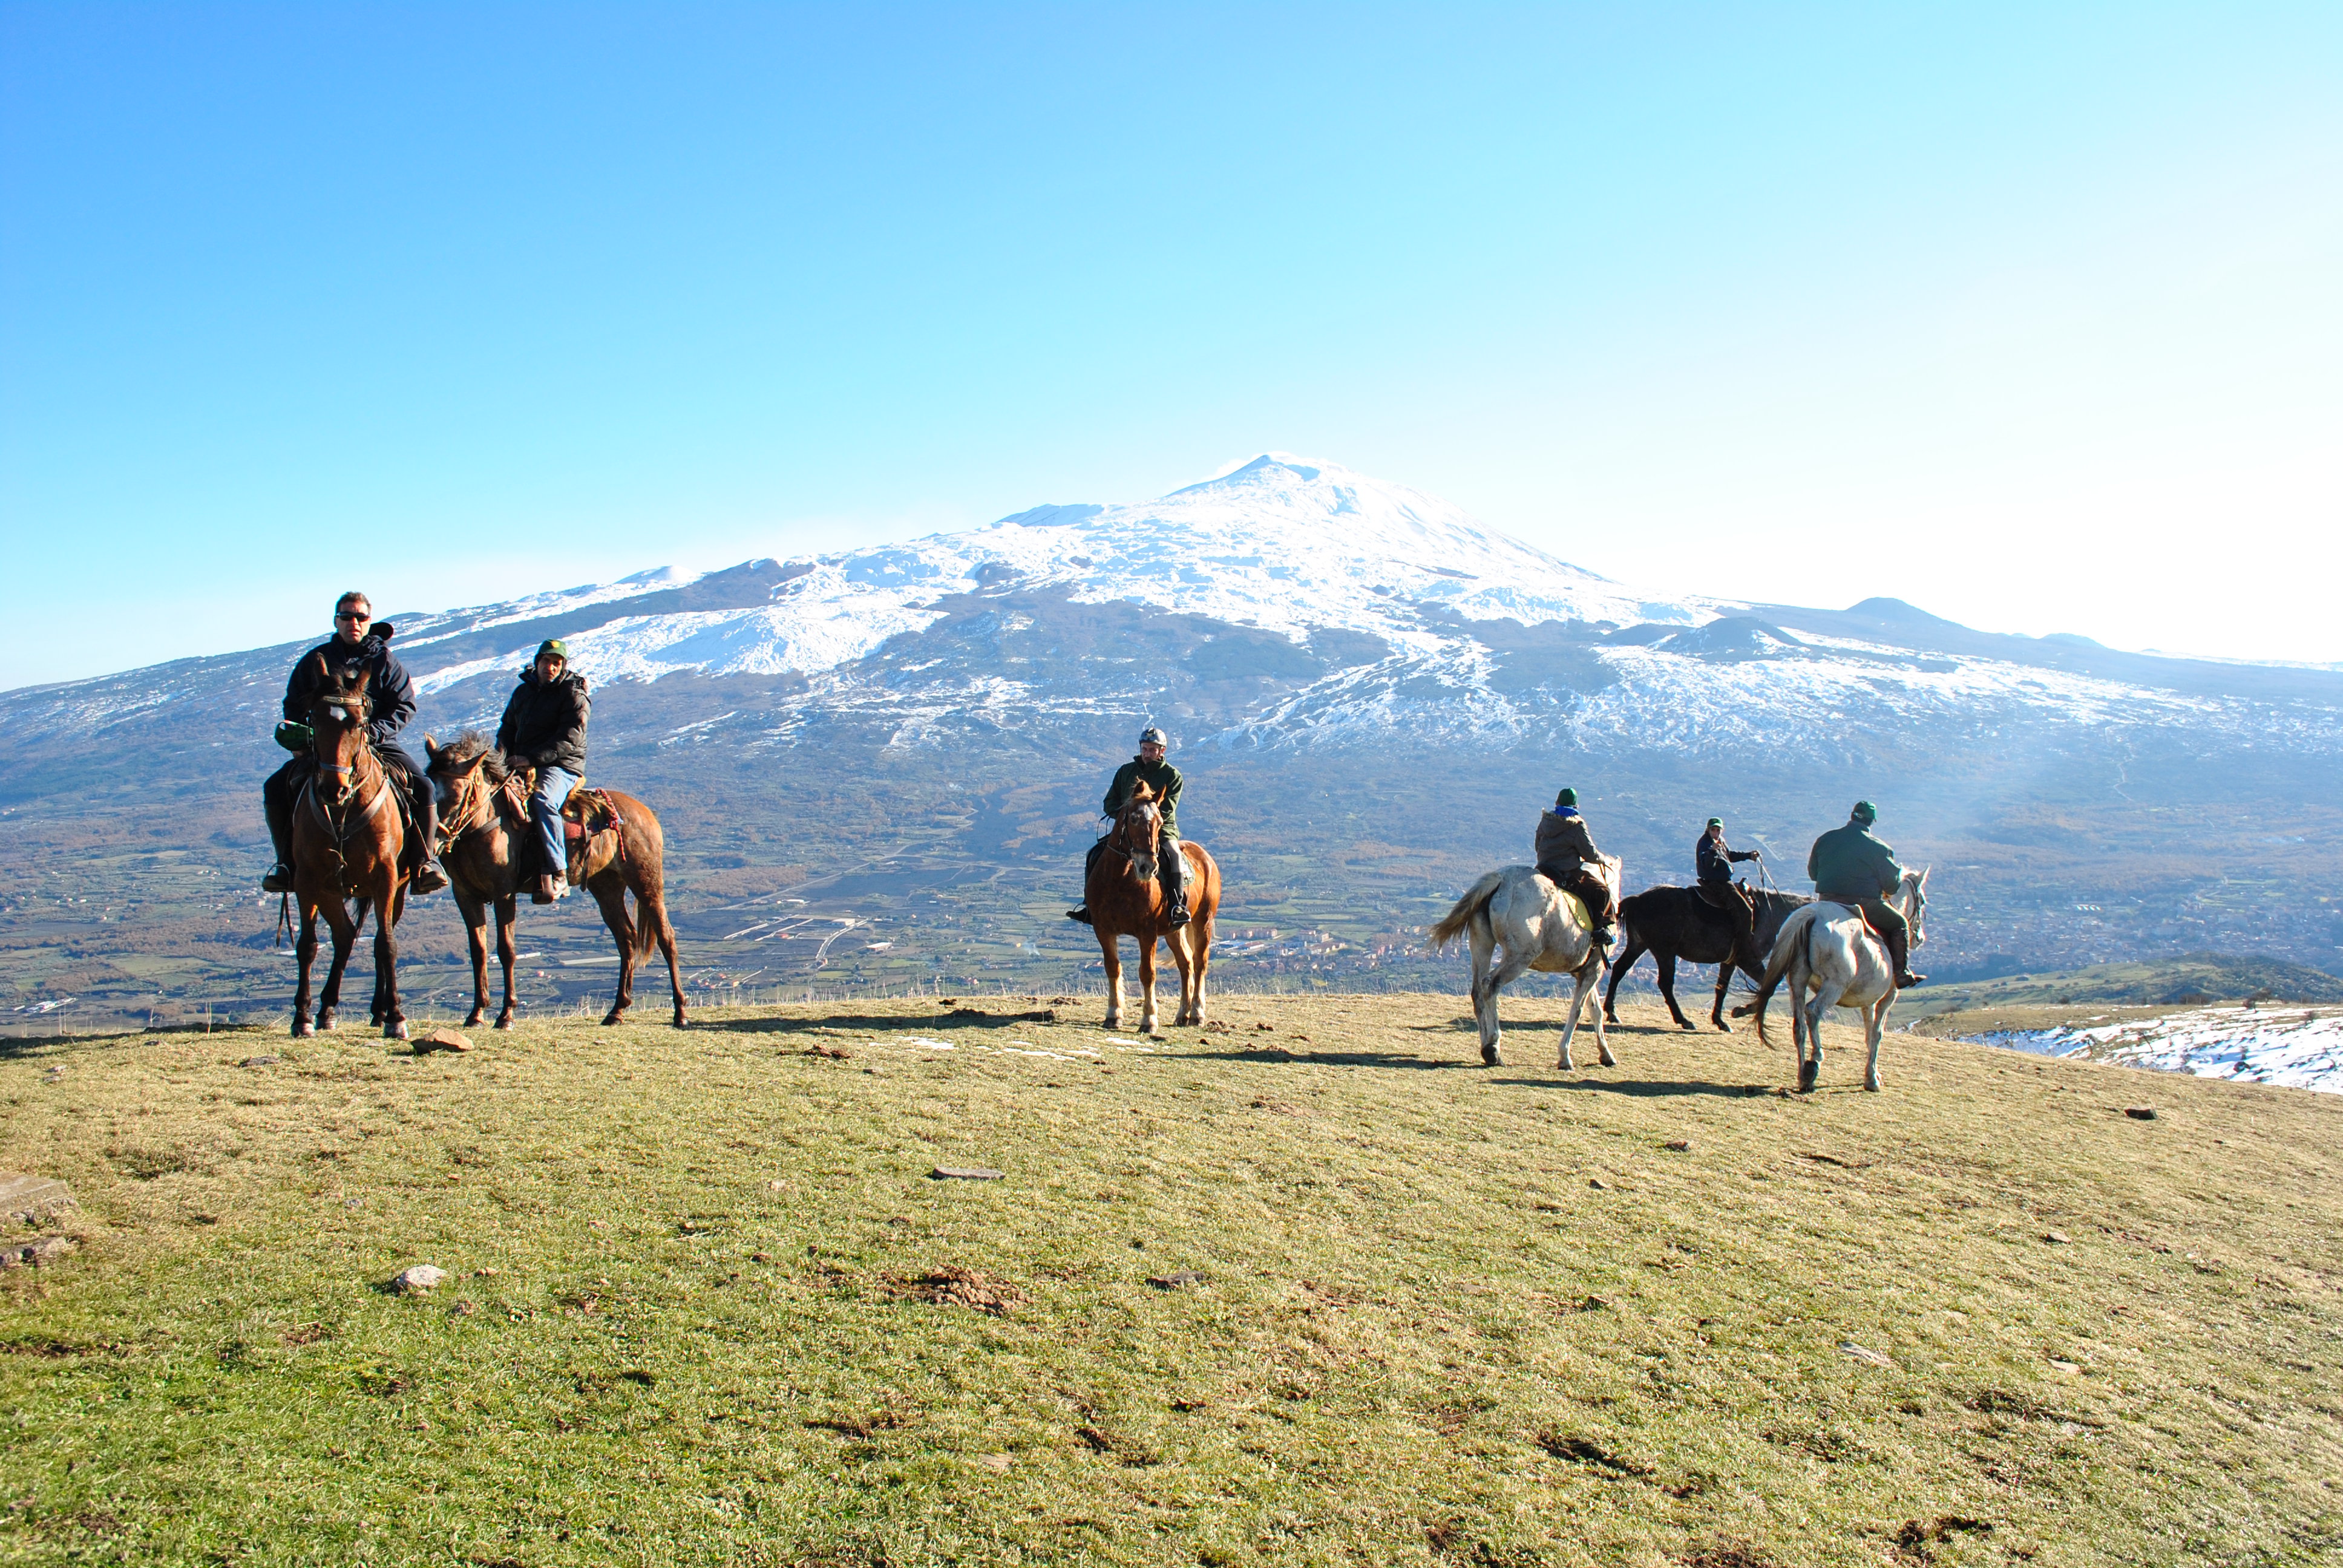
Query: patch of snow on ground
{"points": [[2293, 1048]]}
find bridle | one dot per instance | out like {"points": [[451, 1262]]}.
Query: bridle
{"points": [[473, 809], [1120, 840], [341, 821]]}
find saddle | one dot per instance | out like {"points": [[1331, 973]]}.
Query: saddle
{"points": [[592, 830]]}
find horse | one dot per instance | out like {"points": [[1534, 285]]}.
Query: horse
{"points": [[349, 842], [1829, 949], [1540, 926], [1677, 923], [1125, 900], [485, 844]]}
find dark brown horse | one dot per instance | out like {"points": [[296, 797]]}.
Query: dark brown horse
{"points": [[349, 853], [485, 842], [1127, 899], [1677, 923]]}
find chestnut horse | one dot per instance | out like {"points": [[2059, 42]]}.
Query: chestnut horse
{"points": [[485, 844], [1125, 900], [349, 843]]}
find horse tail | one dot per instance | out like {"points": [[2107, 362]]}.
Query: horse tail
{"points": [[1473, 906], [1776, 966]]}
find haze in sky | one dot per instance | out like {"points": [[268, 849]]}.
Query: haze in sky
{"points": [[2027, 315]]}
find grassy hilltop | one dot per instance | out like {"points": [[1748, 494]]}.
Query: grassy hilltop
{"points": [[1312, 1292]]}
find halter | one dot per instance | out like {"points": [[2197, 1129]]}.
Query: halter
{"points": [[475, 808]]}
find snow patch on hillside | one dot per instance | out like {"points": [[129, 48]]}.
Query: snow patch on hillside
{"points": [[2293, 1048]]}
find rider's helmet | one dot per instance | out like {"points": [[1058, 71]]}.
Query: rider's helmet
{"points": [[1152, 736], [1865, 812]]}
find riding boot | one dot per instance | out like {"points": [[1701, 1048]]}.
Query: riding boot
{"points": [[1179, 916], [279, 878], [1082, 912], [1899, 954], [428, 877]]}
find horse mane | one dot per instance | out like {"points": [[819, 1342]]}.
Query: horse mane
{"points": [[472, 743]]}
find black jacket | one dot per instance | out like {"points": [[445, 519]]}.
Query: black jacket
{"points": [[1715, 861], [545, 725], [391, 693], [1161, 778]]}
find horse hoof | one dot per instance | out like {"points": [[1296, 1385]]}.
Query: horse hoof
{"points": [[472, 1019], [395, 1030], [301, 1029], [325, 1023], [1872, 1087], [504, 1021], [681, 1021], [1489, 1056], [613, 1016]]}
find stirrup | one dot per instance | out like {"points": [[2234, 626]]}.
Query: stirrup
{"points": [[1179, 917], [279, 878], [1082, 915], [428, 879], [1907, 979]]}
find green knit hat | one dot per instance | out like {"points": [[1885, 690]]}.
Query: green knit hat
{"points": [[1865, 812], [1567, 798], [556, 646]]}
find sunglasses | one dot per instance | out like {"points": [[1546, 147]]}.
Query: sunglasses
{"points": [[350, 615]]}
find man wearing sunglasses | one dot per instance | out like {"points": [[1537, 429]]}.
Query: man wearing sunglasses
{"points": [[358, 644]]}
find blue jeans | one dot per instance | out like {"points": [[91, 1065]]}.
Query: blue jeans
{"points": [[553, 787]]}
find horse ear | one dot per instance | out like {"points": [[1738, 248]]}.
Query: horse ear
{"points": [[430, 746]]}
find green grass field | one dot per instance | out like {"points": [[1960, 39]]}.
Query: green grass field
{"points": [[706, 1303]]}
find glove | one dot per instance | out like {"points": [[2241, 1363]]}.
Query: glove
{"points": [[294, 737]]}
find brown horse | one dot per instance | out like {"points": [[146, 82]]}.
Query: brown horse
{"points": [[485, 839], [1125, 900], [349, 843]]}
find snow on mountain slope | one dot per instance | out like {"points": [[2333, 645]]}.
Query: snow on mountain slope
{"points": [[1281, 544]]}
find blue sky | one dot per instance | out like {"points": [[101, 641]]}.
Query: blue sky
{"points": [[2029, 315]]}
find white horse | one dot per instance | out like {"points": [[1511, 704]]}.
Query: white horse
{"points": [[1828, 950], [1540, 926]]}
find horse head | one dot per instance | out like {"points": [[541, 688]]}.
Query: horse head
{"points": [[1914, 894], [337, 718], [1139, 831]]}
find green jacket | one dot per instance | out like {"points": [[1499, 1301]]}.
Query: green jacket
{"points": [[1848, 865], [1161, 778]]}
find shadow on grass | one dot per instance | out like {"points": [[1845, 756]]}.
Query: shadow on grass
{"points": [[1316, 1058], [1642, 1089], [882, 1023]]}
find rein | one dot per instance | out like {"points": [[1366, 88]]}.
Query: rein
{"points": [[339, 831]]}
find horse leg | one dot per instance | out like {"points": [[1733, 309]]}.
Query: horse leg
{"points": [[507, 910], [1485, 995], [1668, 962], [385, 959], [1178, 942], [613, 902], [476, 942], [304, 950], [1827, 997], [1585, 983], [1148, 1021], [1200, 947], [1628, 954], [1112, 949], [665, 929], [345, 930], [1875, 1017], [1724, 986]]}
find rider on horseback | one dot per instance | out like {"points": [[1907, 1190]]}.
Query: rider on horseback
{"points": [[358, 644], [543, 728], [1714, 860], [1851, 867], [1566, 856], [1164, 780]]}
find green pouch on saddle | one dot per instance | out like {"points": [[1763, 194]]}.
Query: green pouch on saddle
{"points": [[294, 736]]}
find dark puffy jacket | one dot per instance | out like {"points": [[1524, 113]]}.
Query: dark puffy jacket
{"points": [[1848, 865], [1563, 844], [1715, 861], [1161, 778], [545, 725], [391, 693]]}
